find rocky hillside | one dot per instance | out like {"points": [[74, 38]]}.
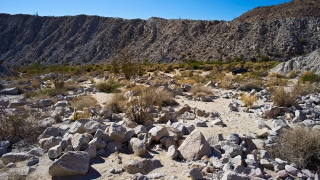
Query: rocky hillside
{"points": [[26, 39], [310, 62]]}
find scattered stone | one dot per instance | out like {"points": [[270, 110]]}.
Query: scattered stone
{"points": [[98, 142], [92, 126], [272, 112], [113, 146], [173, 152], [72, 163], [92, 151], [158, 132], [9, 91], [33, 161], [51, 142], [14, 157], [116, 132], [54, 152], [292, 170], [195, 174], [137, 146], [78, 140], [194, 147], [143, 166], [234, 138]]}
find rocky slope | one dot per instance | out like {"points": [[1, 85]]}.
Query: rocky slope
{"points": [[310, 62], [27, 39]]}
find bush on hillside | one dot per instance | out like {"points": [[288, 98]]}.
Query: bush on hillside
{"points": [[300, 145]]}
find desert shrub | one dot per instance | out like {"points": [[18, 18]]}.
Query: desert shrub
{"points": [[139, 108], [292, 74], [275, 75], [20, 124], [299, 145], [226, 85], [253, 84], [309, 76], [187, 73], [86, 101], [71, 86], [109, 86], [276, 82], [198, 91], [58, 84], [80, 114], [282, 97], [248, 100], [117, 103], [48, 91], [36, 83]]}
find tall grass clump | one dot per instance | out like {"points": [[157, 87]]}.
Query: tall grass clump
{"points": [[109, 86], [86, 101], [198, 91], [299, 145], [248, 100]]}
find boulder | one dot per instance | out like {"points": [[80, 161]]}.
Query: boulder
{"points": [[137, 146], [113, 146], [32, 161], [158, 132], [200, 123], [215, 139], [194, 147], [91, 150], [143, 166], [234, 138], [37, 152], [185, 108], [183, 127], [168, 141], [10, 91], [272, 112], [50, 131], [98, 142], [78, 140], [5, 144], [173, 152], [51, 142], [54, 152], [195, 174], [2, 151], [14, 157], [229, 175], [140, 129], [92, 126], [72, 163], [106, 114], [78, 126], [102, 135], [116, 132]]}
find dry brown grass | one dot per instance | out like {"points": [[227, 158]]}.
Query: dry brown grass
{"points": [[198, 91], [282, 97], [117, 103], [226, 85], [300, 145], [276, 82], [84, 102], [248, 100]]}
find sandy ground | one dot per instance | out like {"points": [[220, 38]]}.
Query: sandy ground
{"points": [[236, 122]]}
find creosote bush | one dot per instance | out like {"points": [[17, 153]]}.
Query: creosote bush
{"points": [[300, 145], [139, 108], [109, 86], [198, 91], [86, 101], [282, 97], [248, 100]]}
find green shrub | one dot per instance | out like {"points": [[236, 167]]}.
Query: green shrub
{"points": [[110, 86], [309, 76], [300, 145]]}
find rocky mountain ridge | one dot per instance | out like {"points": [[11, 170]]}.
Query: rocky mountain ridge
{"points": [[28, 39]]}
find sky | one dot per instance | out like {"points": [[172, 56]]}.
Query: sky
{"points": [[141, 9]]}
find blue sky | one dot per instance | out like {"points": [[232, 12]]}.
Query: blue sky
{"points": [[143, 9]]}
